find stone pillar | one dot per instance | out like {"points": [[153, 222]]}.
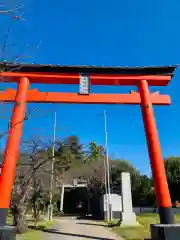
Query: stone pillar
{"points": [[128, 217]]}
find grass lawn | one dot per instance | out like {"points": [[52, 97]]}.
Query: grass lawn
{"points": [[34, 234], [9, 219], [142, 231]]}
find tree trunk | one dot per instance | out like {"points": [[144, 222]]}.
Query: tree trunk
{"points": [[19, 218]]}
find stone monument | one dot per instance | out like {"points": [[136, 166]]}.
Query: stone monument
{"points": [[128, 217]]}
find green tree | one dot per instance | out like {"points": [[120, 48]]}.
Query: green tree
{"points": [[69, 153], [142, 186], [75, 147], [118, 166], [172, 166], [94, 152], [63, 157], [144, 194]]}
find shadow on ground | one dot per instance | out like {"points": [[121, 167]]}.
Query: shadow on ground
{"points": [[97, 220], [93, 224], [84, 217], [42, 228], [101, 225], [54, 231], [75, 235]]}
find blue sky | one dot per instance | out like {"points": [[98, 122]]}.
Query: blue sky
{"points": [[116, 33]]}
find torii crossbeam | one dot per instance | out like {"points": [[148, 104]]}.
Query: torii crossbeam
{"points": [[34, 96], [141, 77]]}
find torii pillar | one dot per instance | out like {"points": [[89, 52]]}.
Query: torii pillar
{"points": [[157, 163], [12, 148]]}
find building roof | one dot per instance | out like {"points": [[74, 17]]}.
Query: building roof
{"points": [[42, 68]]}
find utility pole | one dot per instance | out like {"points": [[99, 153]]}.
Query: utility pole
{"points": [[52, 171], [105, 183], [109, 213]]}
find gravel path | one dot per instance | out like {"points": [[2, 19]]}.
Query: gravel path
{"points": [[73, 229]]}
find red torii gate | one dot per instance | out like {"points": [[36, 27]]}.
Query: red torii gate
{"points": [[142, 77]]}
